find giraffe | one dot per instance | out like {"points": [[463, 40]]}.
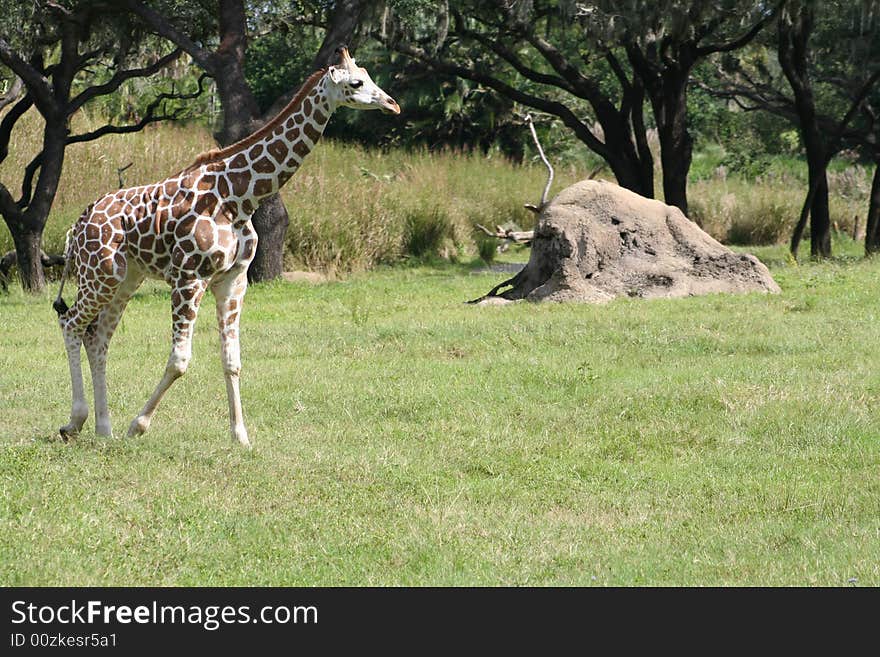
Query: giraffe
{"points": [[194, 231]]}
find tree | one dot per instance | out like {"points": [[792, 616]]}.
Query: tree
{"points": [[53, 50], [663, 42], [868, 139], [593, 62], [225, 62], [828, 57]]}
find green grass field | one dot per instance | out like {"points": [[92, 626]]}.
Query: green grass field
{"points": [[404, 438]]}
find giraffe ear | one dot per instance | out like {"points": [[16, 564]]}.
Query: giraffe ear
{"points": [[336, 74]]}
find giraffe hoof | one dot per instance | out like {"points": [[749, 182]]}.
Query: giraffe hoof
{"points": [[138, 427], [241, 436], [68, 433]]}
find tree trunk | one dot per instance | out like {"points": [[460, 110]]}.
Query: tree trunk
{"points": [[632, 175], [30, 266], [643, 150], [271, 222], [623, 158], [241, 116], [820, 217], [793, 52], [27, 227], [872, 235], [669, 103], [344, 20], [676, 149]]}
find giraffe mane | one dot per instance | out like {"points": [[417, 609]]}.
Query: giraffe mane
{"points": [[216, 154]]}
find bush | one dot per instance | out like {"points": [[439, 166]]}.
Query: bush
{"points": [[737, 212], [487, 247], [425, 230]]}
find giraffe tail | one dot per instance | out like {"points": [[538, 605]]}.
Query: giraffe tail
{"points": [[59, 305]]}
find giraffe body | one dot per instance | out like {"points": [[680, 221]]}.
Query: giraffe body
{"points": [[194, 231]]}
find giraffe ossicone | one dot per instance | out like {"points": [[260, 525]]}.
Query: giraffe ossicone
{"points": [[194, 231]]}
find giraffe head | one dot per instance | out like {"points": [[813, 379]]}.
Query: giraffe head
{"points": [[351, 86]]}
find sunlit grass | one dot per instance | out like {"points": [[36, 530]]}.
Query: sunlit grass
{"points": [[402, 437]]}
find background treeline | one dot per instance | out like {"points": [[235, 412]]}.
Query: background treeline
{"points": [[758, 119]]}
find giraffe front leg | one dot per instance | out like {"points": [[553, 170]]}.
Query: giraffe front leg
{"points": [[185, 300], [229, 294], [96, 349]]}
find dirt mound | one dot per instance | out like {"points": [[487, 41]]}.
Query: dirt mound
{"points": [[596, 241]]}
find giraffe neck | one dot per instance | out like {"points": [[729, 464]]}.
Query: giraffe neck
{"points": [[262, 166]]}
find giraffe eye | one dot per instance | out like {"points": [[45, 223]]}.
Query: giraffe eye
{"points": [[356, 84]]}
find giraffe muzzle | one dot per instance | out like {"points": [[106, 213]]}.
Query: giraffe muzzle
{"points": [[389, 106]]}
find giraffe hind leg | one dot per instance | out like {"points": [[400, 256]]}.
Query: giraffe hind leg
{"points": [[97, 342], [97, 288], [74, 325]]}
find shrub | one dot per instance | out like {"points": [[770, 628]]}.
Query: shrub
{"points": [[425, 230], [738, 212], [487, 247]]}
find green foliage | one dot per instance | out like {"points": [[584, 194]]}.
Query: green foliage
{"points": [[745, 157], [278, 62]]}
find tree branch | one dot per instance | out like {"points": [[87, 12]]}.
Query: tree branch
{"points": [[119, 77], [546, 162], [618, 71], [742, 40], [38, 86], [27, 181], [164, 28], [9, 120], [8, 208], [150, 116], [586, 88], [537, 102], [496, 46]]}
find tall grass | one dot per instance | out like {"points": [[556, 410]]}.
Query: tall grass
{"points": [[765, 210], [351, 208], [90, 169]]}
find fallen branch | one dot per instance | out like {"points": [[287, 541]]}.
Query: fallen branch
{"points": [[518, 236], [10, 259]]}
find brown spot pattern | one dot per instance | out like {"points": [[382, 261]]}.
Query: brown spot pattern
{"points": [[278, 149], [263, 187], [264, 165], [206, 204], [240, 182], [311, 133]]}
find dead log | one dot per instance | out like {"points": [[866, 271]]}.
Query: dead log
{"points": [[518, 236], [9, 260]]}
